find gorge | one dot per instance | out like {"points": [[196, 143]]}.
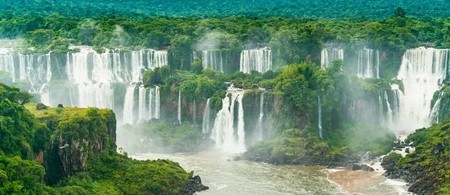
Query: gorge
{"points": [[253, 105]]}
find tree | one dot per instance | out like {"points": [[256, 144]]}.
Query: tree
{"points": [[399, 12]]}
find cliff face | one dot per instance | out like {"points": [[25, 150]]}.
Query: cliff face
{"points": [[79, 135], [83, 146]]}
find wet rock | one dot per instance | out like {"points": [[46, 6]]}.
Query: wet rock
{"points": [[60, 106], [41, 106], [366, 168], [363, 167], [194, 184], [356, 167]]}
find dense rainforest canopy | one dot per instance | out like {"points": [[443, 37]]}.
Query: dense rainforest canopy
{"points": [[366, 9]]}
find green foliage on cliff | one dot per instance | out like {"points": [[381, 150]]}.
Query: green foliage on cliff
{"points": [[295, 146], [427, 168], [20, 133], [111, 173], [347, 135], [72, 151], [442, 108], [18, 176]]}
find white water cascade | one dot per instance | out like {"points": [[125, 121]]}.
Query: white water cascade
{"points": [[35, 69], [319, 113], [328, 55], [256, 59], [434, 114], [422, 72], [179, 108], [228, 133], [259, 125], [213, 59], [206, 120], [368, 63], [87, 78], [141, 103]]}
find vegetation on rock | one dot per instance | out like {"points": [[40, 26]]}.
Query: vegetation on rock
{"points": [[427, 168]]}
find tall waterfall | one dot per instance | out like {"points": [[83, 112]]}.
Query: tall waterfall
{"points": [[227, 132], [259, 125], [368, 63], [88, 78], [256, 59], [422, 72], [179, 108], [319, 113], [205, 123], [328, 55], [213, 59]]}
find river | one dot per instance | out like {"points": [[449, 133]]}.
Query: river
{"points": [[225, 176]]}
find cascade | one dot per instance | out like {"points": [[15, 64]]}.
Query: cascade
{"points": [[328, 55], [36, 69], [228, 134], [128, 108], [213, 59], [256, 59], [390, 117], [422, 72], [179, 108], [319, 123], [206, 120], [368, 63], [434, 114], [259, 125], [147, 107], [90, 78]]}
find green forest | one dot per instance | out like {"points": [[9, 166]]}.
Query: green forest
{"points": [[64, 150], [342, 9]]}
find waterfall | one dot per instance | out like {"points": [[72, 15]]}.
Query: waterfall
{"points": [[206, 120], [179, 108], [155, 105], [390, 117], [35, 69], [128, 108], [256, 59], [213, 59], [259, 125], [380, 107], [434, 114], [143, 106], [90, 78], [228, 134], [147, 107], [422, 72], [368, 63], [328, 55], [319, 123]]}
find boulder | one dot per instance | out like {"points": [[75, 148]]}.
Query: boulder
{"points": [[366, 168], [41, 106], [194, 184], [356, 167]]}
